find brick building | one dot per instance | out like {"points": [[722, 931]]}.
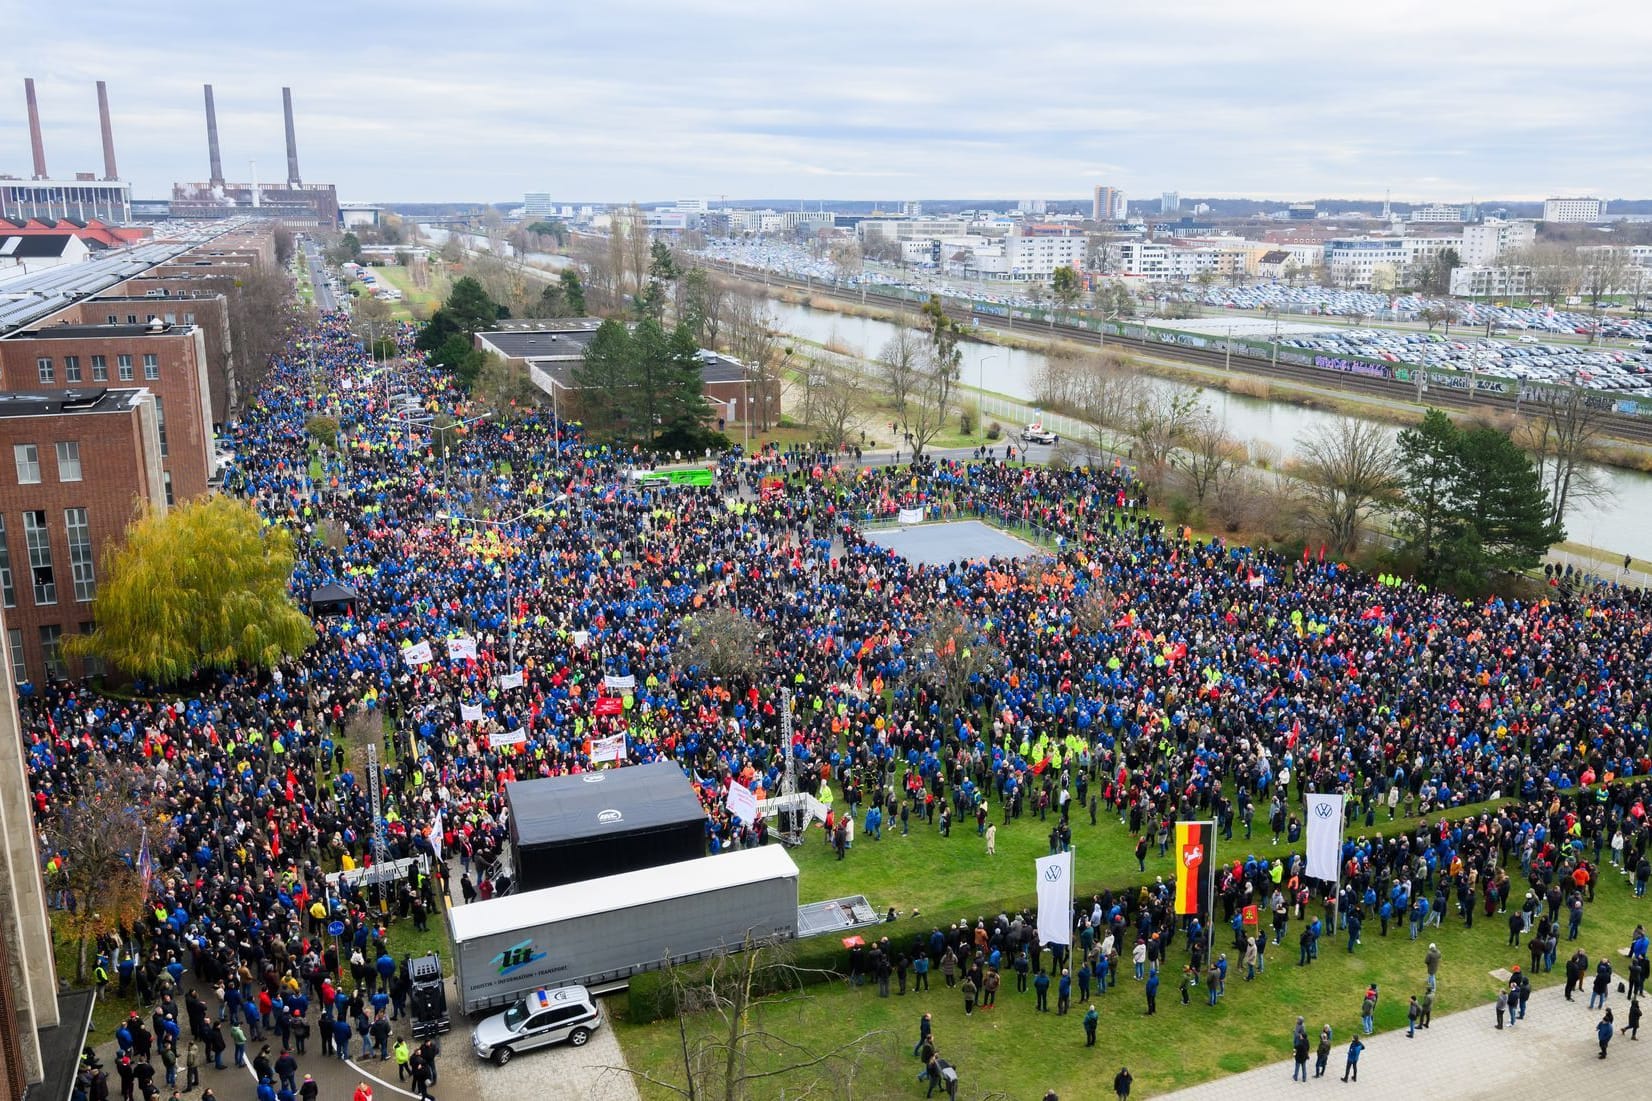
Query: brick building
{"points": [[177, 301], [170, 361], [77, 466]]}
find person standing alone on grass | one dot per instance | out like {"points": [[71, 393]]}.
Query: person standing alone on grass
{"points": [[1352, 1068], [1152, 990], [1121, 1083], [1299, 1051], [1091, 1019], [1368, 1009]]}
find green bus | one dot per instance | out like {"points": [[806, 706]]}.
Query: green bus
{"points": [[698, 476]]}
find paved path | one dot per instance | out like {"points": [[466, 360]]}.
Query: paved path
{"points": [[557, 1072], [1464, 1058]]}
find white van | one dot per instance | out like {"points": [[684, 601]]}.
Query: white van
{"points": [[542, 1018]]}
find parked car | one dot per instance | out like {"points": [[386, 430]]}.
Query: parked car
{"points": [[545, 1017]]}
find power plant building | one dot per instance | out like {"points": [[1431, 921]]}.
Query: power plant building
{"points": [[293, 202], [84, 197]]}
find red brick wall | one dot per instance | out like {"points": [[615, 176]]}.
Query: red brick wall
{"points": [[211, 316], [189, 443], [114, 484]]}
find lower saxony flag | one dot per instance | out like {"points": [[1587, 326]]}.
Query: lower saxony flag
{"points": [[1195, 867]]}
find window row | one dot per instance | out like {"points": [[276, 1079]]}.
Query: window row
{"points": [[42, 576], [46, 368], [51, 650], [27, 458]]}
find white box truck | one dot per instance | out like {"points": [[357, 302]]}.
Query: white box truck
{"points": [[606, 930]]}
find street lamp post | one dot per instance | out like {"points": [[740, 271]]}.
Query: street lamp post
{"points": [[981, 381]]}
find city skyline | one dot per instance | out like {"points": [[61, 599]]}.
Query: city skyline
{"points": [[650, 101]]}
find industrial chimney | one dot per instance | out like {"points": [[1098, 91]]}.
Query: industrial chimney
{"points": [[35, 143], [217, 180], [292, 140], [109, 172]]}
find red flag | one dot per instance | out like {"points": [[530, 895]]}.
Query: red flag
{"points": [[1304, 554], [1322, 552]]}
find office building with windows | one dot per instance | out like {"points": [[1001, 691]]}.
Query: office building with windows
{"points": [[1574, 210], [75, 464]]}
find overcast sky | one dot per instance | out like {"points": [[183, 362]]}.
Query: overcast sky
{"points": [[664, 99]]}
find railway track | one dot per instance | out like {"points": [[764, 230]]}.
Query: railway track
{"points": [[1621, 426]]}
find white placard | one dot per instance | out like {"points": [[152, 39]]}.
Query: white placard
{"points": [[619, 684], [418, 654], [609, 749], [470, 712], [511, 680], [499, 738], [912, 516], [741, 802], [461, 648], [582, 639]]}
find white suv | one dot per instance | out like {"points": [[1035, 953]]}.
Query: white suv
{"points": [[542, 1018]]}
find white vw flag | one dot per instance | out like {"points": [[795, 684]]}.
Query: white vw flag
{"points": [[1325, 837], [417, 655], [1055, 898], [741, 802], [461, 648]]}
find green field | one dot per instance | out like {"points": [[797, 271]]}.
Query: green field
{"points": [[1012, 1052]]}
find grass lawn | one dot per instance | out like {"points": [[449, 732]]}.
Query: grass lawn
{"points": [[1007, 1052], [414, 299]]}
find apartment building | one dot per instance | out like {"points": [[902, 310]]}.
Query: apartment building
{"points": [[77, 465], [1574, 210]]}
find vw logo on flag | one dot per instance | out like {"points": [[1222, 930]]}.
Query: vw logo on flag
{"points": [[1052, 873], [1324, 810]]}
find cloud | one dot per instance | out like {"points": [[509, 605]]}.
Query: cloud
{"points": [[650, 99]]}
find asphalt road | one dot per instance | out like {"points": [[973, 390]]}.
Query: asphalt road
{"points": [[325, 301]]}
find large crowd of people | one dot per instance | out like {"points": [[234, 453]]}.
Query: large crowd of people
{"points": [[1133, 668]]}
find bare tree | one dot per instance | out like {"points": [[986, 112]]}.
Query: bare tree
{"points": [[1156, 424], [96, 829], [724, 642], [1208, 454], [751, 337], [726, 1052], [1563, 439], [949, 653], [898, 367], [932, 399], [1553, 267], [260, 321], [1602, 271], [1347, 469], [835, 399]]}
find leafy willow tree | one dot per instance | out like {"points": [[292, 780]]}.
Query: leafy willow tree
{"points": [[170, 607]]}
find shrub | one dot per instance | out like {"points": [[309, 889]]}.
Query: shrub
{"points": [[994, 430]]}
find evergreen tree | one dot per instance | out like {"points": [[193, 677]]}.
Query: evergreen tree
{"points": [[1429, 469], [605, 378], [686, 409], [1500, 496], [573, 293]]}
